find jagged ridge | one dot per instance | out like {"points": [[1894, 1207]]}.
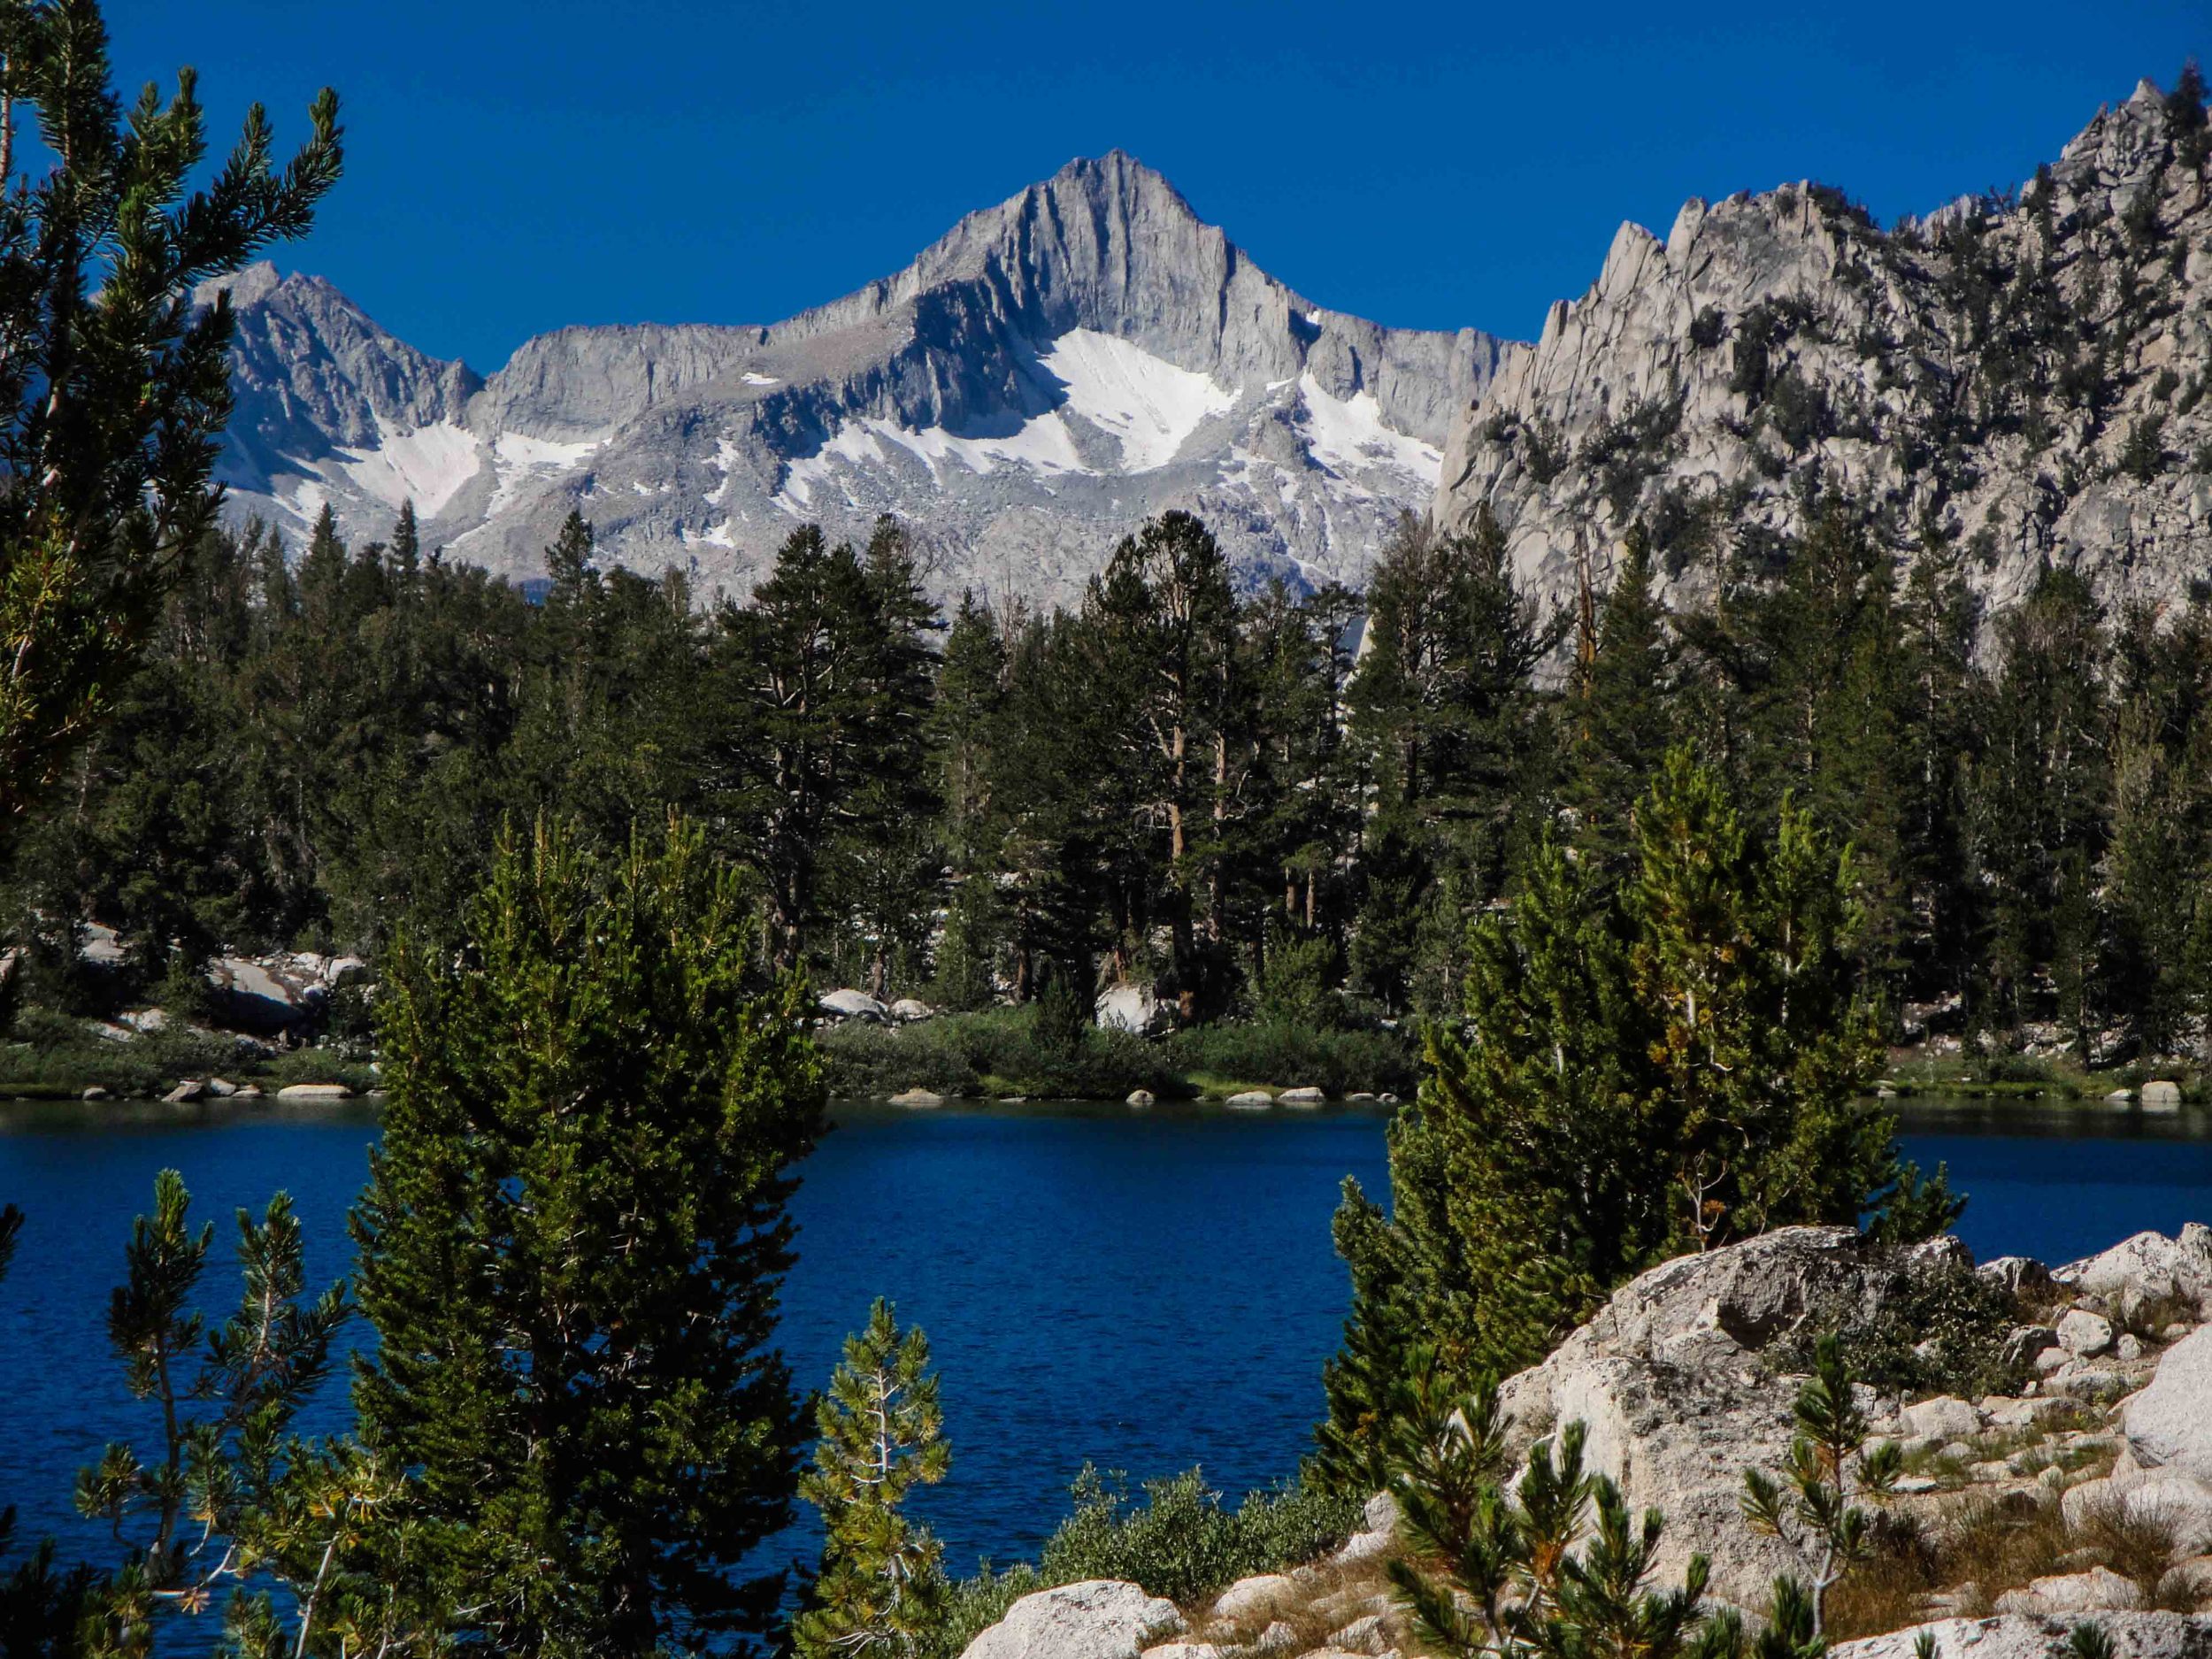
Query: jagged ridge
{"points": [[2027, 378], [1051, 370]]}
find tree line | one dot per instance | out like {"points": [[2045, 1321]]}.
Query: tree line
{"points": [[1263, 802]]}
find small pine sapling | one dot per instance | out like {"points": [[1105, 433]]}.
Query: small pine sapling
{"points": [[882, 1584], [1813, 1508]]}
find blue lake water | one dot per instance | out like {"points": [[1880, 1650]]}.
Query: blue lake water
{"points": [[1141, 1291]]}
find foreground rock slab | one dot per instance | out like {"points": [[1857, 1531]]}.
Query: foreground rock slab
{"points": [[1099, 1618], [2019, 1636], [1668, 1380]]}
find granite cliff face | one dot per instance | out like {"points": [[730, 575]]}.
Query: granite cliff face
{"points": [[1052, 371], [2026, 377]]}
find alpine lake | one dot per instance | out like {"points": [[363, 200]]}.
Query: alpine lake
{"points": [[1141, 1290]]}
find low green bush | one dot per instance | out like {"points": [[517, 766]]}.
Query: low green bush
{"points": [[995, 1051], [1180, 1542], [1341, 1062], [69, 1056], [1177, 1540], [1940, 1330]]}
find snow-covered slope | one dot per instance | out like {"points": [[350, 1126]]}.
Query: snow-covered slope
{"points": [[1036, 383]]}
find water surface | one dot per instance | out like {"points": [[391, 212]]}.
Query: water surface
{"points": [[1144, 1291]]}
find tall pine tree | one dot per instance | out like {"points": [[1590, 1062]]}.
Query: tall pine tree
{"points": [[571, 1248]]}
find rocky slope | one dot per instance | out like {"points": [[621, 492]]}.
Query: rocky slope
{"points": [[2026, 377], [1049, 372], [2103, 1456]]}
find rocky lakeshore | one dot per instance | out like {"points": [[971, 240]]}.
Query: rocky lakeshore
{"points": [[2080, 1493]]}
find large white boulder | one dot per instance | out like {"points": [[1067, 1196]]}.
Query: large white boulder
{"points": [[1264, 1592], [2099, 1588], [2172, 1500], [2082, 1332], [1670, 1382], [2169, 1425], [2020, 1636], [850, 1004], [1129, 1007], [1100, 1618], [1944, 1417], [2146, 1268]]}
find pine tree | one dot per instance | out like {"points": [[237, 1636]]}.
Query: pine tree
{"points": [[571, 1246], [1444, 708], [233, 1501], [1494, 1573], [1661, 1066], [116, 387], [1161, 623], [880, 1434], [1619, 721]]}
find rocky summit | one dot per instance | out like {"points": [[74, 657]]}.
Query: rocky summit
{"points": [[1050, 373], [2018, 379]]}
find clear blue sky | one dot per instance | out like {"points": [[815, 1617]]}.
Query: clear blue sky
{"points": [[517, 165]]}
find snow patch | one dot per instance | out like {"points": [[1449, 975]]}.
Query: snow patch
{"points": [[1042, 442], [755, 378], [523, 460], [1350, 432], [854, 443], [306, 501], [725, 458], [1147, 402], [713, 535], [427, 466]]}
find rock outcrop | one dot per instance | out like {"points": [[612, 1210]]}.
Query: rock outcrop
{"points": [[2027, 377], [1676, 1384], [2133, 1635], [1669, 1383], [1099, 1618], [1049, 372]]}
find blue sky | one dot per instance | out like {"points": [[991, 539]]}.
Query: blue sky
{"points": [[517, 165]]}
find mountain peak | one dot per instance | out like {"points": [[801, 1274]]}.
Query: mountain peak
{"points": [[246, 286]]}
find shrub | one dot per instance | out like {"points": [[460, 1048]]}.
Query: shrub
{"points": [[1939, 1329], [69, 1056], [1294, 985], [1180, 1541], [1341, 1062], [862, 1061], [999, 1049], [2143, 456]]}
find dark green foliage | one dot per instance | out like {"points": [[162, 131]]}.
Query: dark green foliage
{"points": [[1001, 1050], [1664, 1067], [1814, 1509], [1491, 1574], [115, 386], [2143, 456], [1180, 1541], [1339, 1062], [879, 1434], [1940, 1329], [571, 1246], [1444, 719], [231, 1503]]}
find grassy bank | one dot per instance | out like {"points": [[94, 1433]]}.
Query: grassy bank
{"points": [[56, 1057], [1000, 1052], [2035, 1078]]}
